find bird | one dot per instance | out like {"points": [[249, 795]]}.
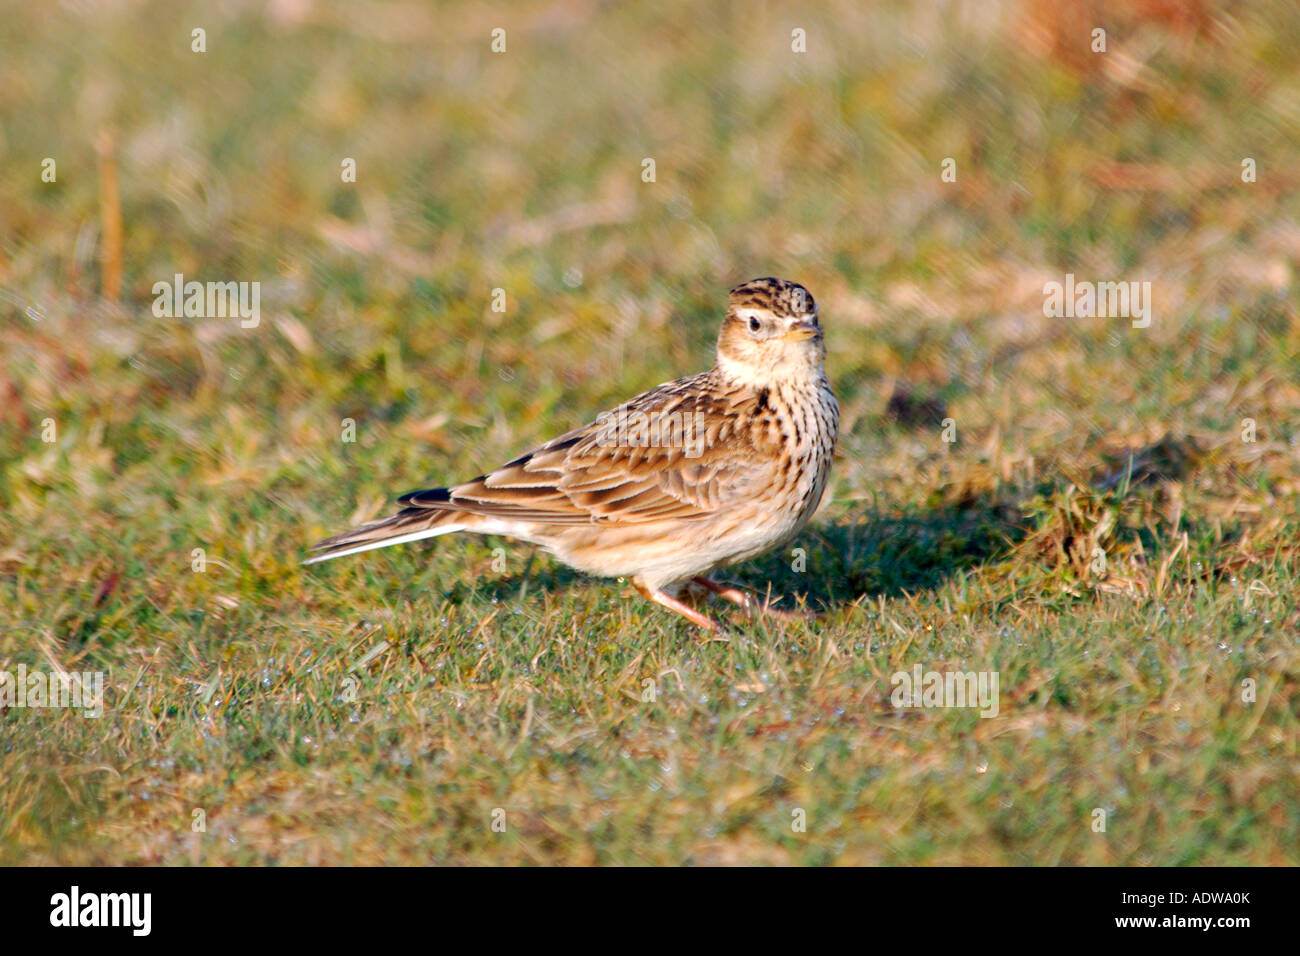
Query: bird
{"points": [[692, 476]]}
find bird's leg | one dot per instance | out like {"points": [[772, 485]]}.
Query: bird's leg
{"points": [[746, 600], [685, 610]]}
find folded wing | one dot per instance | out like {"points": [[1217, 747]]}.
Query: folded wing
{"points": [[674, 452]]}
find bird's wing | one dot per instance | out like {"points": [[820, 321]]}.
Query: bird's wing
{"points": [[682, 450]]}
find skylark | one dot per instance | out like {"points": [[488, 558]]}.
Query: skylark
{"points": [[691, 476]]}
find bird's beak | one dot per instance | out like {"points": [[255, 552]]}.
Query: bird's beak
{"points": [[803, 330]]}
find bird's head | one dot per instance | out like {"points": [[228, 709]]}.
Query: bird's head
{"points": [[770, 333]]}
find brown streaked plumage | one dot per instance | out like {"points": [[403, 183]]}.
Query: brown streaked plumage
{"points": [[689, 477]]}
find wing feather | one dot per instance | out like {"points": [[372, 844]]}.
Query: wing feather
{"points": [[703, 459]]}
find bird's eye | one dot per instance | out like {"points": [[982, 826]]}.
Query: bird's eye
{"points": [[754, 324]]}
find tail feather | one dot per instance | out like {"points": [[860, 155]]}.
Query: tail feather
{"points": [[409, 524]]}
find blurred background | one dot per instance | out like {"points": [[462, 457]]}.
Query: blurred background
{"points": [[807, 141]]}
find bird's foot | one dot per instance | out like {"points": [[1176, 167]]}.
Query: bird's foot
{"points": [[749, 601], [663, 599]]}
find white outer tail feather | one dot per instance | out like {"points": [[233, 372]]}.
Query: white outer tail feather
{"points": [[386, 542]]}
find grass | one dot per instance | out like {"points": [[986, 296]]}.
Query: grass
{"points": [[1099, 534]]}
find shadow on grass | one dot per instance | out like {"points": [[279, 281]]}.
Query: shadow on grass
{"points": [[872, 555]]}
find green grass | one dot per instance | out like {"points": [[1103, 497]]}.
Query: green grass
{"points": [[379, 709]]}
